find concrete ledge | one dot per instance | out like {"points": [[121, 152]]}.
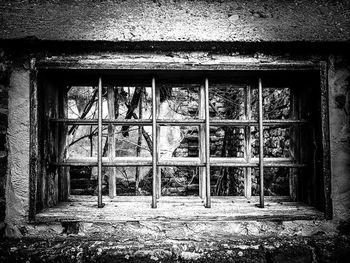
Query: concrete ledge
{"points": [[319, 248], [220, 20], [181, 231]]}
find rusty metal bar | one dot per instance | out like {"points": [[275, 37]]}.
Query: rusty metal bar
{"points": [[261, 145], [154, 150], [99, 144], [207, 146]]}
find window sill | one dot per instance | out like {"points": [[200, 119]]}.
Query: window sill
{"points": [[186, 208]]}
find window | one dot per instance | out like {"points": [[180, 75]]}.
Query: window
{"points": [[182, 133]]}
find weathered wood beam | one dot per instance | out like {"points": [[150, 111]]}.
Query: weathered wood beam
{"points": [[326, 169], [295, 143], [161, 62], [247, 148], [202, 141], [63, 172], [111, 141], [33, 142], [139, 145]]}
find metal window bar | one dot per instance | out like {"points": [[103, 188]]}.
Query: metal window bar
{"points": [[188, 122], [154, 148], [261, 145], [207, 145], [157, 153], [99, 144]]}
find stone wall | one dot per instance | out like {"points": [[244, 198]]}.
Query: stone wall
{"points": [[245, 21], [17, 181], [4, 84], [339, 116]]}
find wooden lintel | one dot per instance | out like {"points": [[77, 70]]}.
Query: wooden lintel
{"points": [[97, 63]]}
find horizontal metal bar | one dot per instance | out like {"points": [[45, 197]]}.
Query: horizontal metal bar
{"points": [[242, 123], [148, 122], [180, 122], [176, 161], [104, 121]]}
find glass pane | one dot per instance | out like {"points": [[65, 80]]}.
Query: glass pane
{"points": [[180, 181], [276, 103], [227, 181], [277, 142], [226, 141], [178, 101], [276, 181], [178, 141], [226, 101]]}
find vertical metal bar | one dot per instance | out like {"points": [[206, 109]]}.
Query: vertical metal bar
{"points": [[159, 171], [261, 145], [201, 113], [207, 145], [248, 170], [99, 143], [154, 150]]}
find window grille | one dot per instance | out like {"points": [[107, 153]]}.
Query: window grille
{"points": [[205, 162]]}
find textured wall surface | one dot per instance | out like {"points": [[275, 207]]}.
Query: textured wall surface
{"points": [[182, 20], [4, 82], [339, 115], [17, 185]]}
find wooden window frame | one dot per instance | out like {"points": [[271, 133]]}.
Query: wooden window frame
{"points": [[204, 188]]}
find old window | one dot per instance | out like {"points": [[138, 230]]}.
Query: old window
{"points": [[204, 133]]}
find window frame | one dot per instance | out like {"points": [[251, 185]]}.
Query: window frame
{"points": [[47, 65]]}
